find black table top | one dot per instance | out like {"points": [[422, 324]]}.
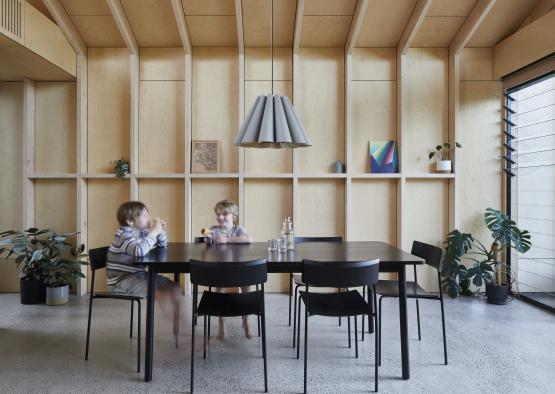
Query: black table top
{"points": [[175, 257]]}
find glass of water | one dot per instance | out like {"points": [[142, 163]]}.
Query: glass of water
{"points": [[272, 244]]}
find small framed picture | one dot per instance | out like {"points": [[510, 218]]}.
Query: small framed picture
{"points": [[205, 156]]}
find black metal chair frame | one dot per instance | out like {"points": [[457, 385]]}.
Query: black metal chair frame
{"points": [[223, 275], [338, 275], [433, 257], [98, 261]]}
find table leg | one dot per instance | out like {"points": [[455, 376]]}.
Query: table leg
{"points": [[149, 324], [403, 323], [176, 311]]}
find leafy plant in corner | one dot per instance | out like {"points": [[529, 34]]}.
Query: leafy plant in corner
{"points": [[66, 270], [34, 249], [442, 151], [487, 265], [120, 168]]}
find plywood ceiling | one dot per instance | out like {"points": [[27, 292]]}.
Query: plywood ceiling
{"points": [[211, 22], [326, 23], [19, 62], [153, 22], [257, 22]]}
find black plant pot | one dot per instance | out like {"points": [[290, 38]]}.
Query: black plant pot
{"points": [[497, 294], [32, 291]]}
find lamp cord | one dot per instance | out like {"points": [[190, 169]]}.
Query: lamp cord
{"points": [[272, 47]]}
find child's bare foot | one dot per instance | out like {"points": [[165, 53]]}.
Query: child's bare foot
{"points": [[246, 328]]}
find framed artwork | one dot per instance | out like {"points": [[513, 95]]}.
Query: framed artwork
{"points": [[383, 157], [205, 156]]}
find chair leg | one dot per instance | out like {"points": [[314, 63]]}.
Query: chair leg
{"points": [[443, 327], [131, 325], [290, 296], [88, 330], [139, 336], [298, 326], [364, 297], [305, 345], [339, 318], [380, 332], [295, 306], [264, 354], [377, 337], [193, 323], [349, 329], [356, 335], [418, 319], [204, 339], [258, 323]]}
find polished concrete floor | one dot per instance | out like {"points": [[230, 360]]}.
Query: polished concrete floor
{"points": [[501, 349]]}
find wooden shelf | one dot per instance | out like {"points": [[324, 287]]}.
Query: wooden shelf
{"points": [[269, 176], [53, 175], [431, 176], [177, 175], [379, 176], [215, 175], [102, 176], [321, 176]]}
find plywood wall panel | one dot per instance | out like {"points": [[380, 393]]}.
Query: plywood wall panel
{"points": [[165, 198], [215, 107], [321, 107], [56, 204], [104, 198], [258, 64], [321, 208], [162, 64], [374, 211], [55, 127], [374, 64], [427, 221], [108, 107], [205, 194], [161, 126], [11, 148], [373, 119], [477, 64], [267, 204], [426, 106]]}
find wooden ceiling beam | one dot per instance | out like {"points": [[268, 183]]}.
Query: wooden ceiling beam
{"points": [[356, 25], [298, 26], [123, 26], [413, 25], [470, 25], [66, 25], [179, 13], [239, 20]]}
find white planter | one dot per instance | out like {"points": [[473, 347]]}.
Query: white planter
{"points": [[57, 295], [443, 166]]}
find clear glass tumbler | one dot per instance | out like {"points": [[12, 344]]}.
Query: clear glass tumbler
{"points": [[272, 244]]}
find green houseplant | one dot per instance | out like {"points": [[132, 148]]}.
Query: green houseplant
{"points": [[441, 152], [60, 273], [120, 168], [33, 249], [487, 266]]}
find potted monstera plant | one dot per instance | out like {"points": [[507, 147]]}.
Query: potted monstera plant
{"points": [[487, 265], [60, 273], [33, 249]]}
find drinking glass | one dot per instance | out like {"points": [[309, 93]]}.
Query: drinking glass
{"points": [[272, 244]]}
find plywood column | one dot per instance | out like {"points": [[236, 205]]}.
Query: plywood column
{"points": [[28, 167], [134, 134]]}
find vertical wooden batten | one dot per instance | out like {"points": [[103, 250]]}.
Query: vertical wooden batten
{"points": [[72, 35], [411, 29], [28, 167], [354, 30], [131, 43], [469, 27], [241, 98]]}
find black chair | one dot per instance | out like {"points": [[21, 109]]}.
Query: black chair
{"points": [[97, 259], [296, 280], [390, 288], [347, 303], [228, 274]]}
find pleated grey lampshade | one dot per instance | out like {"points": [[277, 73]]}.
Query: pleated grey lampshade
{"points": [[271, 123]]}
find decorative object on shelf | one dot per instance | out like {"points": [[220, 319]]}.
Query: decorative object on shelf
{"points": [[443, 163], [489, 268], [338, 167], [383, 157], [62, 272], [120, 168], [205, 156], [33, 249], [272, 121]]}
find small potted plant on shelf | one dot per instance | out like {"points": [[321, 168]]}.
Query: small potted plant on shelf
{"points": [[443, 163], [120, 168], [488, 266], [60, 273], [33, 250]]}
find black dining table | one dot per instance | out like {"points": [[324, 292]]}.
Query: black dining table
{"points": [[176, 256]]}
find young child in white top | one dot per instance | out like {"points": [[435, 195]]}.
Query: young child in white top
{"points": [[229, 231]]}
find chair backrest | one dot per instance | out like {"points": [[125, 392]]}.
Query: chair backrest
{"points": [[228, 274], [199, 240], [432, 254], [300, 240], [340, 274], [98, 257]]}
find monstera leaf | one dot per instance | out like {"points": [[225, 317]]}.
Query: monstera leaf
{"points": [[504, 230]]}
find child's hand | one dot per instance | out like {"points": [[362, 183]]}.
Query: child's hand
{"points": [[164, 224], [222, 239], [156, 227]]}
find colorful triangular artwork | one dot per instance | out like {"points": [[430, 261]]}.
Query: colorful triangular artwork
{"points": [[383, 157]]}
